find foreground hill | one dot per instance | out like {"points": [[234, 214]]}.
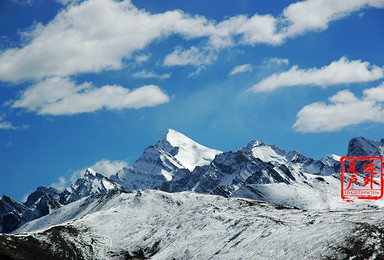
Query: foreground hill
{"points": [[158, 225]]}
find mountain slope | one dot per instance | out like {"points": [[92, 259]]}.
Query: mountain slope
{"points": [[41, 192], [196, 226], [11, 214]]}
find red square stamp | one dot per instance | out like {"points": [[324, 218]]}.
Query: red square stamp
{"points": [[361, 177]]}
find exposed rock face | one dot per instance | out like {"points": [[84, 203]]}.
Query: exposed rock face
{"points": [[359, 146]]}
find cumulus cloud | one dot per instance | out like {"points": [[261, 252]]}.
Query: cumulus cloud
{"points": [[241, 69], [342, 71], [97, 35], [148, 75], [375, 94], [344, 109], [61, 96], [315, 15], [92, 36]]}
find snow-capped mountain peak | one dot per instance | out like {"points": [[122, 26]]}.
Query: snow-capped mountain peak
{"points": [[159, 163], [359, 146], [266, 152], [330, 159], [90, 172], [186, 151], [91, 183]]}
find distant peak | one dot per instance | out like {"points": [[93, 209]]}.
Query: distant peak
{"points": [[174, 139], [173, 135], [172, 131], [266, 152], [186, 151], [90, 171], [256, 143], [335, 157], [359, 139], [360, 146]]}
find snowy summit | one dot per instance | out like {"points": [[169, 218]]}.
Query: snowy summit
{"points": [[189, 153]]}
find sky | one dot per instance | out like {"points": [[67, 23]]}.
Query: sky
{"points": [[93, 83]]}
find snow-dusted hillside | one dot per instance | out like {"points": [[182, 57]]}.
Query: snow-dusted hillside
{"points": [[188, 225]]}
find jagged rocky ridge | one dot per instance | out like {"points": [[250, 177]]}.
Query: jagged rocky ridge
{"points": [[45, 200], [176, 163], [110, 218]]}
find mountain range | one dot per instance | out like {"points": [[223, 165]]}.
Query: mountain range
{"points": [[178, 188]]}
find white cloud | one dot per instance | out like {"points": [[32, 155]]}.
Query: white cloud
{"points": [[278, 61], [342, 71], [193, 56], [148, 75], [315, 15], [61, 96], [142, 58], [66, 2], [344, 109], [197, 71], [61, 184], [375, 94], [106, 167], [92, 36], [253, 30], [97, 35], [23, 2], [5, 124], [241, 69]]}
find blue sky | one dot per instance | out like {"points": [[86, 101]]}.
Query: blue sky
{"points": [[92, 83]]}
